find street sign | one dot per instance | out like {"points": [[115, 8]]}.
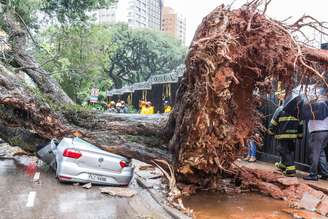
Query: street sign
{"points": [[94, 95]]}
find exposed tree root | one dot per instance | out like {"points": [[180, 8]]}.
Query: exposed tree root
{"points": [[234, 56]]}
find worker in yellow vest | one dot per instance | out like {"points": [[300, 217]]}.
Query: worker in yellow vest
{"points": [[150, 108], [143, 107], [167, 107]]}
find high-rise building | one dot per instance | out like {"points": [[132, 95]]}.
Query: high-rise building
{"points": [[136, 13], [174, 24], [155, 14]]}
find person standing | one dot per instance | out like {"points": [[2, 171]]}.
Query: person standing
{"points": [[318, 130], [142, 105], [286, 129], [151, 108], [167, 107], [251, 154]]}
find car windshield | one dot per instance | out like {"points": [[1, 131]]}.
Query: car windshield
{"points": [[84, 144]]}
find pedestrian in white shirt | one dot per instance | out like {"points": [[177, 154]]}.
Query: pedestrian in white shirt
{"points": [[318, 130]]}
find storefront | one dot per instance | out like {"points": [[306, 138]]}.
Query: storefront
{"points": [[164, 88], [157, 89], [142, 91]]}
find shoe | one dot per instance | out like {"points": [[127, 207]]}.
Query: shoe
{"points": [[252, 159], [280, 166], [311, 177], [246, 158], [290, 171]]}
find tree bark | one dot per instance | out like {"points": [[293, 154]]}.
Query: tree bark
{"points": [[23, 61]]}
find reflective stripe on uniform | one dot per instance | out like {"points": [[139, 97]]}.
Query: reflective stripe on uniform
{"points": [[287, 118], [286, 136], [270, 132], [273, 122], [291, 131], [291, 168]]}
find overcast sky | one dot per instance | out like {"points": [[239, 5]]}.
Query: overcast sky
{"points": [[195, 10]]}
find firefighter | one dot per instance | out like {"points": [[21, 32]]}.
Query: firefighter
{"points": [[286, 129]]}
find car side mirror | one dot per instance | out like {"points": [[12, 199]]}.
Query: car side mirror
{"points": [[54, 143]]}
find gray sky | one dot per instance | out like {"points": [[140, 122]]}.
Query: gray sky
{"points": [[195, 10]]}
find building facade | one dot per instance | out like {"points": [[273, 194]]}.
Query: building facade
{"points": [[155, 14], [324, 46], [136, 13], [174, 24]]}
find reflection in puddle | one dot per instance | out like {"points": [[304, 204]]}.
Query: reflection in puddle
{"points": [[242, 206]]}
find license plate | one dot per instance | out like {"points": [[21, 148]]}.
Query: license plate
{"points": [[97, 178]]}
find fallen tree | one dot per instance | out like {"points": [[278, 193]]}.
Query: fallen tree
{"points": [[234, 56]]}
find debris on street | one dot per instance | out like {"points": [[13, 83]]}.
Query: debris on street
{"points": [[302, 214], [309, 201], [146, 167], [36, 177], [87, 186], [120, 192], [9, 152]]}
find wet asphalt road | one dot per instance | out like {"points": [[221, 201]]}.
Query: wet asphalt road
{"points": [[20, 197]]}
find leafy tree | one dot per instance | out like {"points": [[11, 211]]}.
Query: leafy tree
{"points": [[19, 18], [134, 55], [78, 52], [84, 56], [67, 11]]}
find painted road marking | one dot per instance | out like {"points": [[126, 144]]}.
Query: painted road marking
{"points": [[36, 177], [30, 199]]}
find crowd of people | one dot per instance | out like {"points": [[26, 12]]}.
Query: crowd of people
{"points": [[286, 129], [119, 107], [145, 107]]}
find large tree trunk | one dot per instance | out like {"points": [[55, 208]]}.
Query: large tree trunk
{"points": [[20, 60], [27, 120]]}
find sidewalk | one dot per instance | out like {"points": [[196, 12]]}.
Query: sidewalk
{"points": [[321, 185]]}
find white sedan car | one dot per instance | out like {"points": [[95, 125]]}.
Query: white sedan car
{"points": [[76, 160]]}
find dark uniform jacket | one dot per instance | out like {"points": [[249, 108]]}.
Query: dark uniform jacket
{"points": [[284, 126]]}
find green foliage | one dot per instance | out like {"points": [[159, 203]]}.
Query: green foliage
{"points": [[24, 9], [132, 109], [134, 55], [87, 56], [79, 58], [68, 11]]}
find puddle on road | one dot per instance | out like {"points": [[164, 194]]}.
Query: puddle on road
{"points": [[208, 205]]}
